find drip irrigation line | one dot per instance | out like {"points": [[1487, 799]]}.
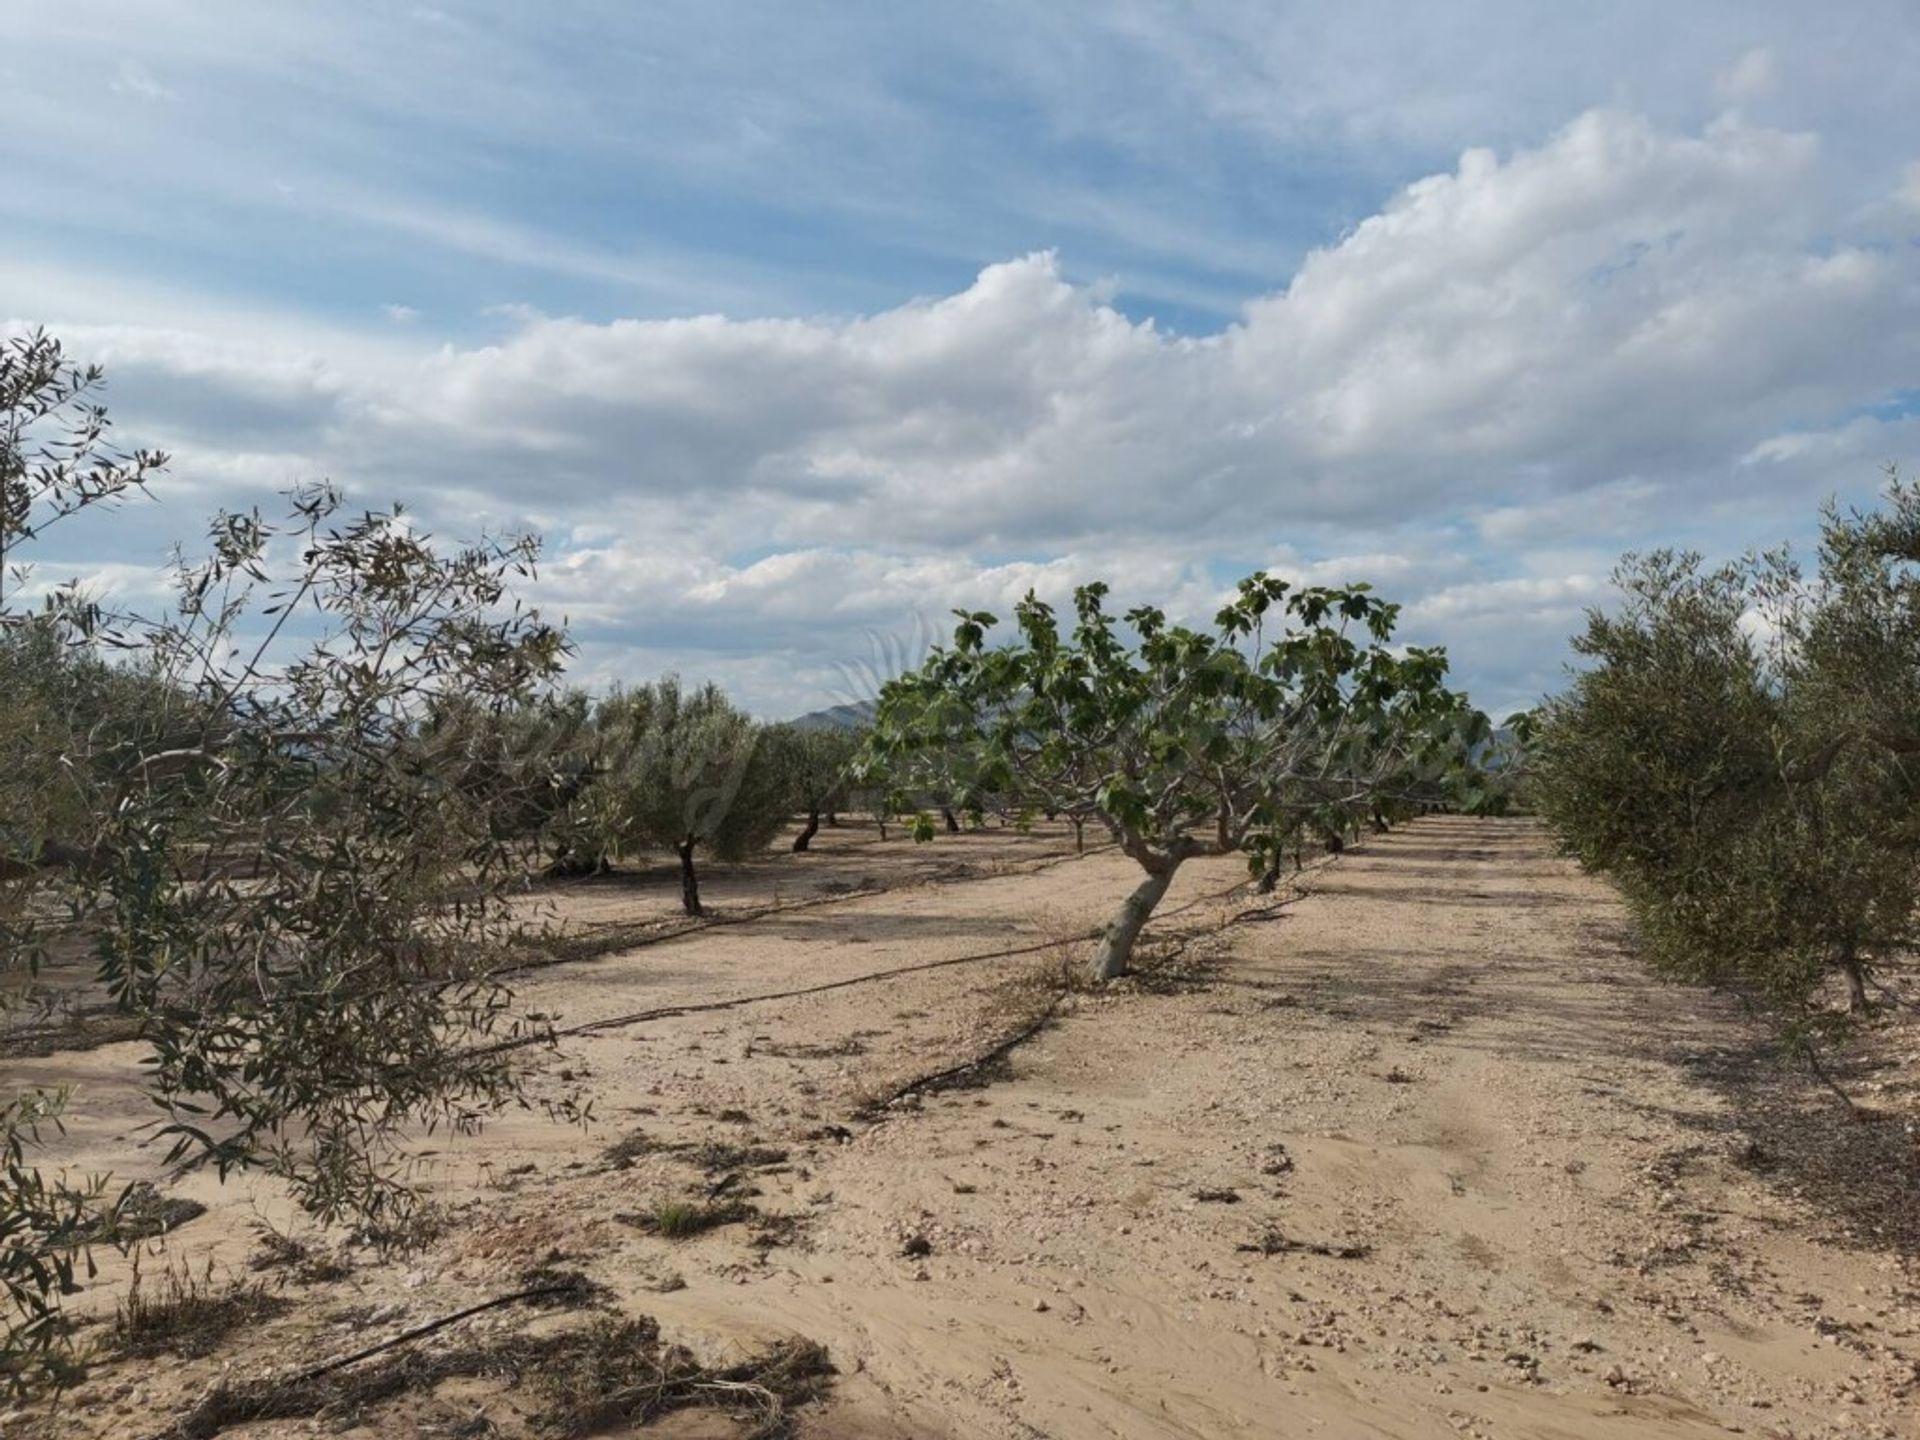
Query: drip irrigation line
{"points": [[716, 922], [706, 1007]]}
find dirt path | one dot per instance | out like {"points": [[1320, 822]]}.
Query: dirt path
{"points": [[1508, 1186]]}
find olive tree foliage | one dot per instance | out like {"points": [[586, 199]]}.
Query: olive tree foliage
{"points": [[686, 770], [1291, 711], [56, 459], [1740, 756], [1502, 768], [815, 764], [543, 759], [293, 881], [56, 452]]}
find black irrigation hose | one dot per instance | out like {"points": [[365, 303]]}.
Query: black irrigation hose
{"points": [[667, 1012], [420, 1332], [715, 922]]}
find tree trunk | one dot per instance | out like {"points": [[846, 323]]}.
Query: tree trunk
{"points": [[1079, 836], [1269, 878], [689, 882], [833, 819], [953, 825], [1848, 959], [805, 837], [1114, 958]]}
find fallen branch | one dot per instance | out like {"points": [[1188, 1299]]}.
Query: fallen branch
{"points": [[1275, 1243]]}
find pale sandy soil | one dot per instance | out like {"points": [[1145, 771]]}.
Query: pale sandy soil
{"points": [[1573, 1202]]}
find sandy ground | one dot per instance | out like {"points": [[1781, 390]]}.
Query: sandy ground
{"points": [[1421, 1153]]}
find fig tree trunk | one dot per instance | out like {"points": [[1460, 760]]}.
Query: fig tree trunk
{"points": [[805, 837], [953, 825], [689, 881], [1114, 958], [833, 819]]}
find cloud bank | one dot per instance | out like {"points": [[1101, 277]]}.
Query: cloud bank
{"points": [[1474, 397]]}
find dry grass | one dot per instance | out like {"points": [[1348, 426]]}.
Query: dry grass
{"points": [[586, 1380], [188, 1315], [303, 1261], [630, 1147]]}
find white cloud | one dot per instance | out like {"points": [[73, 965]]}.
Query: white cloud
{"points": [[400, 314], [1754, 76], [1548, 354], [1909, 191], [130, 77], [1617, 303]]}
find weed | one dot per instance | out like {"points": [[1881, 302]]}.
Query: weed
{"points": [[683, 1219]]}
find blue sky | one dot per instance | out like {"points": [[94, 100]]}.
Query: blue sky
{"points": [[788, 324]]}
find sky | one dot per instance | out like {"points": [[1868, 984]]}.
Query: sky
{"points": [[792, 326]]}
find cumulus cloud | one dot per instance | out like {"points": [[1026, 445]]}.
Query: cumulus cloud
{"points": [[1523, 361], [1616, 304]]}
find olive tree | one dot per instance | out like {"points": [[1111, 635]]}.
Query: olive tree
{"points": [[278, 867], [814, 763], [1660, 763], [1738, 756], [691, 775], [1180, 741]]}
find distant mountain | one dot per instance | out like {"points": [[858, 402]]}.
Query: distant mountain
{"points": [[856, 716]]}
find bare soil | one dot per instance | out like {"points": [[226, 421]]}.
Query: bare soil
{"points": [[1413, 1149]]}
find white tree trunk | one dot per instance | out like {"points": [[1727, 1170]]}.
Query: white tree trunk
{"points": [[1114, 958]]}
